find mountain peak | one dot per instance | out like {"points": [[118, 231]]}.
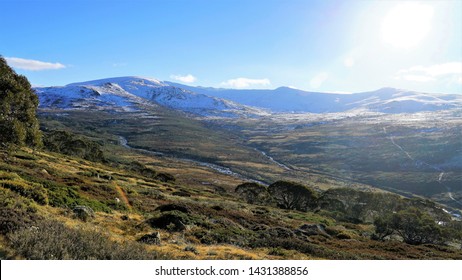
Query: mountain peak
{"points": [[122, 80]]}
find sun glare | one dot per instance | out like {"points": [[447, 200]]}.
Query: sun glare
{"points": [[407, 24]]}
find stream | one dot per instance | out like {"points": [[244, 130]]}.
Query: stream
{"points": [[220, 169]]}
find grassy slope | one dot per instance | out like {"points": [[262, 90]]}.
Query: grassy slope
{"points": [[221, 215]]}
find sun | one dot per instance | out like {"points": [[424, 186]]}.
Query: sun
{"points": [[407, 24]]}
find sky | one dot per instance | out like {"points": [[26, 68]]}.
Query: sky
{"points": [[324, 46]]}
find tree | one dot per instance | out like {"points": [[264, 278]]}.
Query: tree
{"points": [[18, 105], [253, 193], [413, 225], [293, 196], [383, 227]]}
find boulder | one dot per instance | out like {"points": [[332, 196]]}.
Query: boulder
{"points": [[312, 229], [151, 239], [84, 213]]}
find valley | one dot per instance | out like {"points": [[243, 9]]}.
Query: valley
{"points": [[203, 183], [404, 151]]}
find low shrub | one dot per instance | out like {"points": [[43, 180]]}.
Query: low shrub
{"points": [[51, 240], [30, 190], [12, 219]]}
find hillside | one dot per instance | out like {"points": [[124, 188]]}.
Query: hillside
{"points": [[134, 205]]}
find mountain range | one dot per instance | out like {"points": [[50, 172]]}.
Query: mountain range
{"points": [[124, 93]]}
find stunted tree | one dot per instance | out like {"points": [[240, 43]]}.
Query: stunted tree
{"points": [[293, 196], [413, 225], [18, 104], [253, 193], [383, 227]]}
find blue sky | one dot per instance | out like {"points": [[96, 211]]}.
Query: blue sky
{"points": [[335, 46]]}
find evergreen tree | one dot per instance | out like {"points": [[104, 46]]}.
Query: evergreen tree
{"points": [[18, 105], [293, 196]]}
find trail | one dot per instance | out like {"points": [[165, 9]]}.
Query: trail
{"points": [[440, 176], [123, 196]]}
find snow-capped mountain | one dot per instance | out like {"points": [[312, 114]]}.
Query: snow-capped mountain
{"points": [[127, 93], [385, 100]]}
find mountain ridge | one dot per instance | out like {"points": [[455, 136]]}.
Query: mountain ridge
{"points": [[220, 102]]}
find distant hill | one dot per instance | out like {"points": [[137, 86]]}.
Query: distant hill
{"points": [[384, 100], [123, 93]]}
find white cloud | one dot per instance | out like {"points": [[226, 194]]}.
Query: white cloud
{"points": [[32, 65], [185, 79], [430, 73], [245, 82], [318, 80]]}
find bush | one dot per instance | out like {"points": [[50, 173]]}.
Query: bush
{"points": [[170, 220], [60, 195], [30, 190], [12, 220], [51, 240], [253, 193], [73, 145]]}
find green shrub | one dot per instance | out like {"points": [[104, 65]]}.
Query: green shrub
{"points": [[9, 176], [68, 197], [73, 145], [30, 190]]}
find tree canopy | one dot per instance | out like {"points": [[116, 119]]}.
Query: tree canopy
{"points": [[293, 196], [413, 225], [18, 105]]}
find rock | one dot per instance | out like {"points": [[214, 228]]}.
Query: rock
{"points": [[312, 229], [151, 239], [83, 212]]}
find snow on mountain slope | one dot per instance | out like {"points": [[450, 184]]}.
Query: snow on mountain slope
{"points": [[128, 92], [285, 99]]}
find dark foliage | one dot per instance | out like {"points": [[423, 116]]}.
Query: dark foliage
{"points": [[18, 104], [51, 240], [293, 196], [253, 193], [413, 225], [73, 145]]}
